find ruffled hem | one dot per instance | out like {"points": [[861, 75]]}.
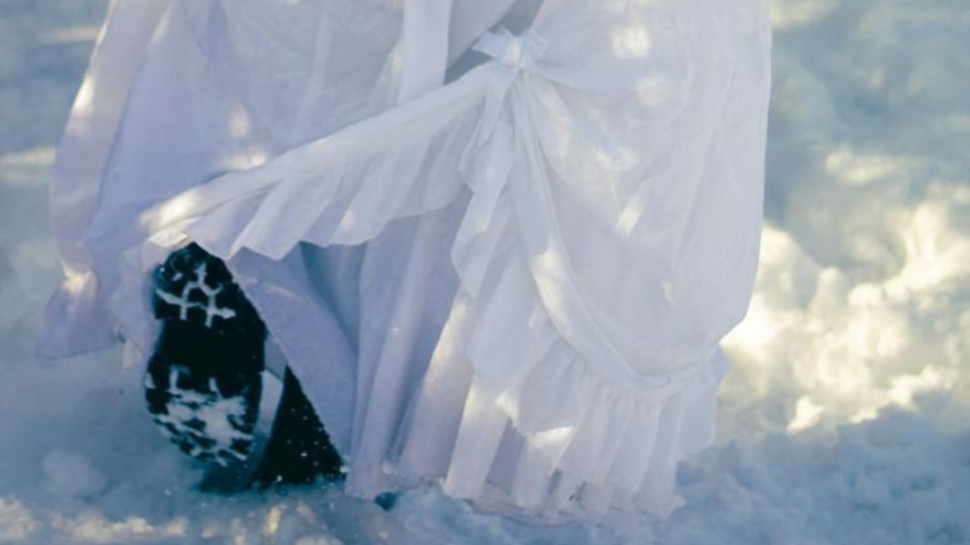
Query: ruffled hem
{"points": [[551, 441]]}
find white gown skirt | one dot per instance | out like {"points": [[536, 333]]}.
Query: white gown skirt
{"points": [[497, 241]]}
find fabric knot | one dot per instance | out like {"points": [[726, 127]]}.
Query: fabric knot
{"points": [[517, 52], [512, 55], [488, 159]]}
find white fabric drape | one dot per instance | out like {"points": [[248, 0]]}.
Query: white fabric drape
{"points": [[602, 169]]}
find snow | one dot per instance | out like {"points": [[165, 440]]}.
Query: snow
{"points": [[16, 522], [69, 474], [844, 419]]}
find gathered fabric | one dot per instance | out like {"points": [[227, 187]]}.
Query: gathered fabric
{"points": [[499, 242]]}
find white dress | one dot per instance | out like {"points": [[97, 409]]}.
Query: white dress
{"points": [[498, 241]]}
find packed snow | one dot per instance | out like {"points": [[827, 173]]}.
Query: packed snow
{"points": [[844, 419]]}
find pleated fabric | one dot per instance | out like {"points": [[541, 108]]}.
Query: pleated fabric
{"points": [[498, 242]]}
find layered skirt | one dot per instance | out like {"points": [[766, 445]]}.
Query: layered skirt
{"points": [[498, 242]]}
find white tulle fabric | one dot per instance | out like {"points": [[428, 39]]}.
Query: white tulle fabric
{"points": [[611, 156]]}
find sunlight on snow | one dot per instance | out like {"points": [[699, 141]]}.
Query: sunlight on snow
{"points": [[94, 528], [16, 521], [794, 13], [71, 35], [860, 169], [847, 349], [26, 168]]}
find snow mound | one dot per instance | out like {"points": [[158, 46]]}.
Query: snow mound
{"points": [[861, 298], [16, 522], [899, 479], [72, 475]]}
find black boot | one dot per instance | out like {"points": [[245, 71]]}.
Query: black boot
{"points": [[209, 390]]}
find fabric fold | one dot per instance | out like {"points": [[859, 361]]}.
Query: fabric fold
{"points": [[536, 330], [608, 215]]}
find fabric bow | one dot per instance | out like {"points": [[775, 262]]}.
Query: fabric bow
{"points": [[487, 161], [515, 55]]}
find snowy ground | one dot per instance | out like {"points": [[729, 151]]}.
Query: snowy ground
{"points": [[844, 420]]}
